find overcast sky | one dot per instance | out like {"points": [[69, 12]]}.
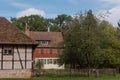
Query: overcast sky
{"points": [[52, 8]]}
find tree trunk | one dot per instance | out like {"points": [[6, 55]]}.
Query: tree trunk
{"points": [[88, 63]]}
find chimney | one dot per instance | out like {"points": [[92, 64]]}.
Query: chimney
{"points": [[48, 29], [27, 30]]}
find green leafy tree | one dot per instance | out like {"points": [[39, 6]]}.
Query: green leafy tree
{"points": [[111, 47], [82, 41], [39, 64], [91, 44], [35, 22], [51, 23], [63, 21], [39, 23], [38, 68]]}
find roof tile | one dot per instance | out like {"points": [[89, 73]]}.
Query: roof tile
{"points": [[10, 34], [55, 38]]}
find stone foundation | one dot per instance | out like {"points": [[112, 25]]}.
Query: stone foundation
{"points": [[15, 73]]}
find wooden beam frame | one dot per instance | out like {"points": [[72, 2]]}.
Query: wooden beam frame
{"points": [[33, 48], [2, 58], [25, 57], [13, 58], [19, 57]]}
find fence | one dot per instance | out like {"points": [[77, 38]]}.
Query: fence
{"points": [[79, 72]]}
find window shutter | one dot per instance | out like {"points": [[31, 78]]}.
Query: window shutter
{"points": [[42, 51], [58, 51], [51, 50]]}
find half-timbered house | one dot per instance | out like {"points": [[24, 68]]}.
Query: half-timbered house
{"points": [[16, 50], [48, 49]]}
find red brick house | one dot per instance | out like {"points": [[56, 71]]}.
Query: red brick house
{"points": [[48, 49], [16, 51]]}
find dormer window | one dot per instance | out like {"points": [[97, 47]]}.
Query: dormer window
{"points": [[43, 42]]}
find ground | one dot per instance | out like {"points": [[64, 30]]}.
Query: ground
{"points": [[72, 78]]}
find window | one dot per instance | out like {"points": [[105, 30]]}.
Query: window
{"points": [[7, 52], [51, 50], [43, 42], [43, 61], [42, 51], [55, 61], [49, 61]]}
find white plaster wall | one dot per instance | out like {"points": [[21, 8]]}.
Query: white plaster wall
{"points": [[29, 49], [17, 64], [22, 54], [29, 64], [0, 55], [7, 65], [52, 66], [29, 56], [0, 65], [7, 57]]}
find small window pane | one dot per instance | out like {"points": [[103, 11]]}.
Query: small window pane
{"points": [[55, 61], [44, 61], [49, 61], [7, 52], [10, 51]]}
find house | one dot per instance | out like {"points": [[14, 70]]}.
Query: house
{"points": [[16, 51], [48, 49]]}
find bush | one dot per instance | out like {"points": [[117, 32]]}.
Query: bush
{"points": [[38, 69]]}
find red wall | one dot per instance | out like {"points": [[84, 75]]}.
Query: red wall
{"points": [[46, 53]]}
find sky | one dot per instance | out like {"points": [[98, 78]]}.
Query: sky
{"points": [[103, 9]]}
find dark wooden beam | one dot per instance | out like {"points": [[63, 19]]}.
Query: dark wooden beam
{"points": [[25, 56], [33, 48], [15, 60], [19, 57], [13, 57], [2, 58]]}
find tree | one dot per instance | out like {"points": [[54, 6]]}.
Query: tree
{"points": [[111, 47], [36, 23], [91, 44], [82, 41], [51, 23], [39, 64], [63, 21], [39, 23], [38, 68], [118, 29]]}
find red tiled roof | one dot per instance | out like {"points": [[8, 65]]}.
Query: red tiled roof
{"points": [[10, 34], [55, 38]]}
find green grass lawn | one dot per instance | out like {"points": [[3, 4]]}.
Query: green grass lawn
{"points": [[72, 78]]}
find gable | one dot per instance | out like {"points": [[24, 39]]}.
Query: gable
{"points": [[9, 34]]}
